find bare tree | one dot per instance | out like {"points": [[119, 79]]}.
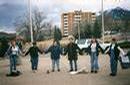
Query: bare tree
{"points": [[39, 23]]}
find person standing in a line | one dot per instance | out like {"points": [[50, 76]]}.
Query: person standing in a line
{"points": [[13, 53], [34, 50], [72, 49], [55, 51], [93, 50], [114, 50]]}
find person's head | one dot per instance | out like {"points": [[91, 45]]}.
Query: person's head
{"points": [[93, 40], [55, 42], [113, 40], [13, 42], [34, 43], [71, 39]]}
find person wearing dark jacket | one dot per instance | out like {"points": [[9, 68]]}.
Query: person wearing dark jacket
{"points": [[33, 51], [71, 50], [114, 50], [93, 50], [55, 51]]}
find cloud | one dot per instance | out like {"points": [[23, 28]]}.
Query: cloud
{"points": [[9, 9]]}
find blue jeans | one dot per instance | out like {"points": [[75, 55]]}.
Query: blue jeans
{"points": [[94, 61], [55, 62], [34, 63], [13, 63], [71, 64], [113, 63]]}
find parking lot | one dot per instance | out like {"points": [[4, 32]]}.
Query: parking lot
{"points": [[63, 77]]}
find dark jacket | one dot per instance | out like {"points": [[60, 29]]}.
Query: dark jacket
{"points": [[34, 50], [116, 51], [71, 49], [98, 49], [55, 52]]}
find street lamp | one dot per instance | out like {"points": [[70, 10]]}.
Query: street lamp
{"points": [[30, 20]]}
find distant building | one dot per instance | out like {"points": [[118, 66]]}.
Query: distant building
{"points": [[71, 19]]}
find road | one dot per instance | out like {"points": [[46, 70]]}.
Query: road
{"points": [[63, 77]]}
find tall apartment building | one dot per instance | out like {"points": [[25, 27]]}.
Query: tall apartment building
{"points": [[70, 19]]}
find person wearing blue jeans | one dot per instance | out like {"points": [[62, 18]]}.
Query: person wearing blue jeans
{"points": [[55, 51], [34, 61], [13, 52], [55, 63], [34, 50], [12, 63], [94, 61], [93, 50], [114, 50]]}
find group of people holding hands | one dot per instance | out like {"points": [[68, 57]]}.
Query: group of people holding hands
{"points": [[71, 50]]}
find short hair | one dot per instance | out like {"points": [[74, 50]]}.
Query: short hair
{"points": [[34, 43], [114, 39]]}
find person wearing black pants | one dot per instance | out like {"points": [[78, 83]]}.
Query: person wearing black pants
{"points": [[71, 50]]}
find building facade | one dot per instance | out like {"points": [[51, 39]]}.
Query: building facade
{"points": [[70, 20]]}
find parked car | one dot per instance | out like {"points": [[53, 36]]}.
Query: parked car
{"points": [[84, 43]]}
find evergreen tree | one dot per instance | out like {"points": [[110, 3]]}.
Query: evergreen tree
{"points": [[57, 34], [96, 30]]}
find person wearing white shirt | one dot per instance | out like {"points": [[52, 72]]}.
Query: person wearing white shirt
{"points": [[93, 50], [13, 52]]}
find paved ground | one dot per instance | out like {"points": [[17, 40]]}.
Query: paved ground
{"points": [[63, 77]]}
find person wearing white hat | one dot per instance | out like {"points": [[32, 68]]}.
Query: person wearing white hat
{"points": [[71, 50]]}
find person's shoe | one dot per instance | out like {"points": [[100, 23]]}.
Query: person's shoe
{"points": [[75, 69], [58, 70], [112, 74], [35, 68], [53, 70], [70, 70], [95, 71], [8, 75], [92, 71]]}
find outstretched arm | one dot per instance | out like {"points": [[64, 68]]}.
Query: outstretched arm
{"points": [[48, 50], [39, 50], [121, 50], [80, 51], [27, 52], [102, 50]]}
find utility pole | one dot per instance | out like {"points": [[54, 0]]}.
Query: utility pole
{"points": [[30, 20], [102, 3], [79, 30]]}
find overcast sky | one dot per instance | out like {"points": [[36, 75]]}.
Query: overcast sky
{"points": [[10, 9]]}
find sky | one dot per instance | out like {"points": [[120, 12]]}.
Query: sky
{"points": [[11, 9]]}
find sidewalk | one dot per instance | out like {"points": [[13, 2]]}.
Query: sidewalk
{"points": [[63, 77]]}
